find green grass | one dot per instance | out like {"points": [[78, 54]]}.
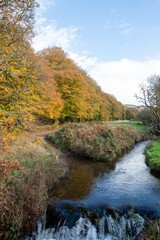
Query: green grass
{"points": [[153, 156], [129, 125]]}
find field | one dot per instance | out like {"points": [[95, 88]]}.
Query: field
{"points": [[128, 125]]}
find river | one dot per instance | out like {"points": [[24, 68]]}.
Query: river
{"points": [[110, 189]]}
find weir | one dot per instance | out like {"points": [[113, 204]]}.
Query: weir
{"points": [[92, 227], [105, 211]]}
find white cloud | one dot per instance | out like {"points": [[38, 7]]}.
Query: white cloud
{"points": [[83, 60], [126, 28], [122, 25], [40, 21], [122, 78], [49, 35], [43, 6], [127, 31]]}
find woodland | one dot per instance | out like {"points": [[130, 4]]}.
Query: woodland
{"points": [[44, 85]]}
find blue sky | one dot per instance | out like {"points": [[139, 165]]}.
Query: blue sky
{"points": [[115, 41]]}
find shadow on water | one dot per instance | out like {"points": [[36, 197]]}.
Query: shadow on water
{"points": [[81, 177], [94, 202], [115, 184], [155, 174]]}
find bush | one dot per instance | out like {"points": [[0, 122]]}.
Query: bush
{"points": [[25, 185], [100, 142]]}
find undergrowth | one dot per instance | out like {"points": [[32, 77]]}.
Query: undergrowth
{"points": [[28, 171], [96, 141]]}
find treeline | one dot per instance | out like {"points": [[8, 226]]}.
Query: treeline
{"points": [[47, 84], [81, 97]]}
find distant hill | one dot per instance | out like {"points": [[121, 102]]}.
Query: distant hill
{"points": [[135, 107]]}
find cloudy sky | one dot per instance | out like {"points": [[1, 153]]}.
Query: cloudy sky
{"points": [[116, 41]]}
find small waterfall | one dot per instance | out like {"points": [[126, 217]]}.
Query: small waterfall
{"points": [[102, 227], [108, 227], [124, 228]]}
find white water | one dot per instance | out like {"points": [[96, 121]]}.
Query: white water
{"points": [[85, 230], [130, 182]]}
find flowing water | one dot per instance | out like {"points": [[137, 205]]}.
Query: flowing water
{"points": [[106, 190]]}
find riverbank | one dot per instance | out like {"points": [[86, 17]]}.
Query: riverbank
{"points": [[111, 191], [30, 169], [98, 141], [153, 156]]}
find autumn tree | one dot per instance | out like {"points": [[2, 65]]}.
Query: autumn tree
{"points": [[78, 91], [111, 108], [50, 104], [130, 114], [17, 65]]}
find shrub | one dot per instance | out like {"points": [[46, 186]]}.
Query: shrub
{"points": [[97, 141], [25, 185]]}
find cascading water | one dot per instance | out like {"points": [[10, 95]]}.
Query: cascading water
{"points": [[97, 205], [107, 228]]}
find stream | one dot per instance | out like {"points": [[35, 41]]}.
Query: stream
{"points": [[96, 200]]}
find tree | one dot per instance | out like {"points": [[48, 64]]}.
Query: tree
{"points": [[130, 114], [18, 83], [150, 97], [50, 102], [80, 94], [145, 116]]}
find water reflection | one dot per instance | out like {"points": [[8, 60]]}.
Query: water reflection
{"points": [[130, 183], [81, 177], [127, 181]]}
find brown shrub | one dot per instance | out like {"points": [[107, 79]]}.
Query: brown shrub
{"points": [[24, 190], [97, 141]]}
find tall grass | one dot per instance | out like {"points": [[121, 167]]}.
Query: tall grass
{"points": [[24, 190]]}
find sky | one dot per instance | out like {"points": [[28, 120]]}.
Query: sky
{"points": [[116, 41]]}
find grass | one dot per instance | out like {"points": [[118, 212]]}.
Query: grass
{"points": [[153, 156], [28, 171], [98, 141], [129, 125]]}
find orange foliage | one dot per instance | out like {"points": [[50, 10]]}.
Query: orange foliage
{"points": [[51, 103], [83, 98], [48, 84], [7, 165]]}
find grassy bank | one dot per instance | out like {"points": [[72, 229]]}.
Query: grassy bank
{"points": [[129, 125], [153, 156], [98, 141], [28, 171]]}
